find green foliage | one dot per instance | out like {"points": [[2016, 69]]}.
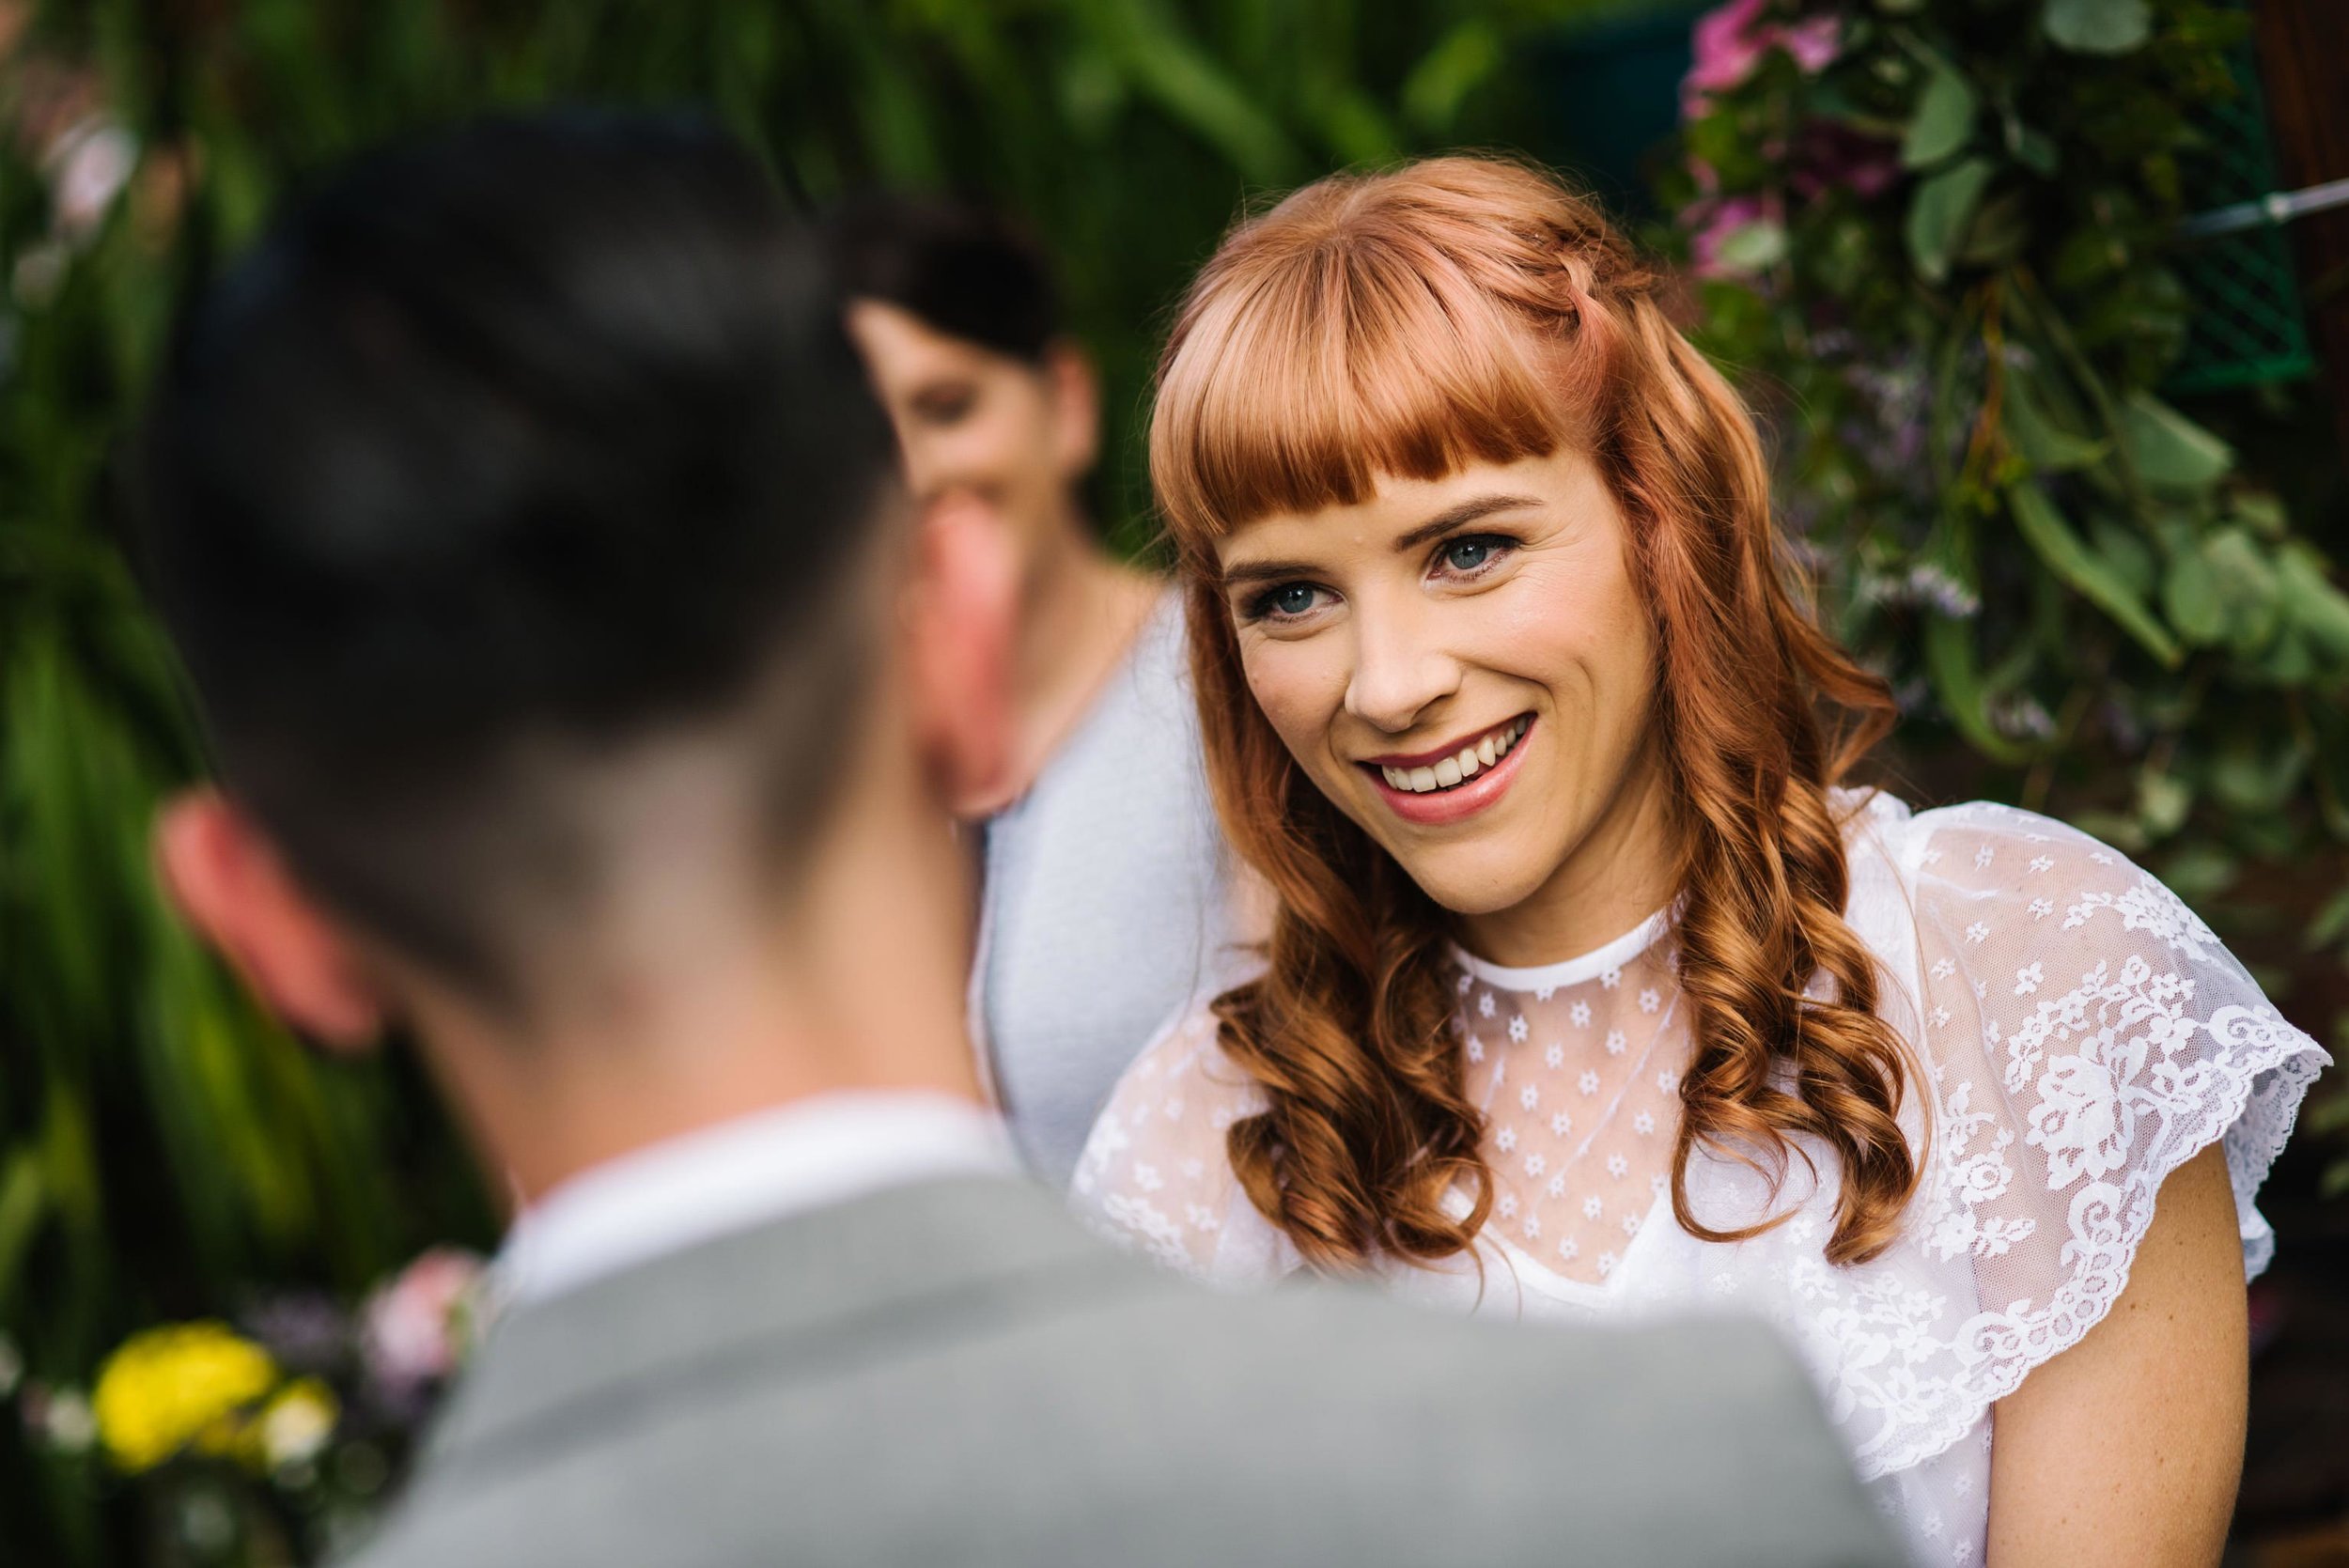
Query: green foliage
{"points": [[166, 1151], [2085, 597]]}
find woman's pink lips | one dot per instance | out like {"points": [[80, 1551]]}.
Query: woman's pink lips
{"points": [[1440, 806]]}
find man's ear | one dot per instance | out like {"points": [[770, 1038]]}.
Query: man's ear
{"points": [[1075, 409], [963, 608], [231, 884]]}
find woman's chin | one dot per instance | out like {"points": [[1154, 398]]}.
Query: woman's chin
{"points": [[1464, 882]]}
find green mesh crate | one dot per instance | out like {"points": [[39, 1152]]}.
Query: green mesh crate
{"points": [[2248, 325]]}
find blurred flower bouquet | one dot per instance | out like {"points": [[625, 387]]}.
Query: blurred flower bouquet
{"points": [[273, 1440]]}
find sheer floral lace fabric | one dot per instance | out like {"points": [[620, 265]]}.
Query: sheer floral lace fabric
{"points": [[2082, 1033]]}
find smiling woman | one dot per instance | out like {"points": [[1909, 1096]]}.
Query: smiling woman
{"points": [[1523, 574], [1592, 988]]}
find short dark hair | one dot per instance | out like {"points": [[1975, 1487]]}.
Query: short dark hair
{"points": [[530, 439], [962, 268]]}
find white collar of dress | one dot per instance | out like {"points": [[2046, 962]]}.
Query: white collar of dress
{"points": [[1566, 972]]}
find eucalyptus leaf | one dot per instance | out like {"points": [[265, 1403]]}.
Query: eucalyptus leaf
{"points": [[2197, 872], [2066, 555], [2312, 602], [1944, 122], [2289, 661], [1754, 247], [2168, 450], [2163, 800], [2246, 584], [2332, 922], [2192, 602], [1938, 213], [2254, 780], [2036, 435], [2128, 554], [2099, 27], [2260, 512], [1955, 674]]}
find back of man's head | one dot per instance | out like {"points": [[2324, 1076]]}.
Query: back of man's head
{"points": [[504, 454]]}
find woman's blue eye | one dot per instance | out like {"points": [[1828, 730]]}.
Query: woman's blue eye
{"points": [[1291, 599], [1467, 555]]}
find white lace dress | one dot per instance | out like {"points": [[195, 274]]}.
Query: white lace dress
{"points": [[2085, 1034]]}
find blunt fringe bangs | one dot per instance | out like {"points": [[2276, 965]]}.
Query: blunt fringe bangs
{"points": [[1353, 337]]}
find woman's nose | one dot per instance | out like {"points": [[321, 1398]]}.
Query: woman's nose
{"points": [[1399, 671]]}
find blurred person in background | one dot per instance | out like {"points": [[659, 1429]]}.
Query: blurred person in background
{"points": [[1592, 993], [1107, 896], [586, 701]]}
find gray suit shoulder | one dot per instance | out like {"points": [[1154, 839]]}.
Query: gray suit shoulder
{"points": [[1106, 1413]]}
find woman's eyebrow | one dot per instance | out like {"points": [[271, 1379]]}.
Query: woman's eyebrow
{"points": [[1436, 527], [1467, 511], [1265, 571]]}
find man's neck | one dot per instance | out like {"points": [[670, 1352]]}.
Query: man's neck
{"points": [[544, 1113], [745, 1173], [863, 989]]}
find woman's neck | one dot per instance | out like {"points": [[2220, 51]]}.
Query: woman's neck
{"points": [[1621, 873], [1080, 611]]}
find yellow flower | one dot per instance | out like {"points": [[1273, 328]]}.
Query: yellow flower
{"points": [[185, 1383], [300, 1419]]}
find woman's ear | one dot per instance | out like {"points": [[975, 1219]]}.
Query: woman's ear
{"points": [[230, 883], [964, 605], [1075, 409]]}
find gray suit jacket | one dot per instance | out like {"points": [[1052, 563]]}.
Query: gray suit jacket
{"points": [[955, 1373]]}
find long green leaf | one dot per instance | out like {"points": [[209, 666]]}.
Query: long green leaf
{"points": [[2168, 450], [2099, 27], [1462, 60], [1938, 213], [2069, 557], [1944, 122], [1956, 675]]}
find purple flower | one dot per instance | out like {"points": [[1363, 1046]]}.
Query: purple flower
{"points": [[304, 1330], [1830, 156]]}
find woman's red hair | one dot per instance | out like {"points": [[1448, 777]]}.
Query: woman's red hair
{"points": [[1404, 324]]}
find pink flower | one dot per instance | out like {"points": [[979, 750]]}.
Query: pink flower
{"points": [[89, 167], [1814, 42], [414, 1330], [1727, 46], [1715, 224], [1730, 40]]}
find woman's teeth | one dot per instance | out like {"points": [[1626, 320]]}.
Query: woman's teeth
{"points": [[1457, 770]]}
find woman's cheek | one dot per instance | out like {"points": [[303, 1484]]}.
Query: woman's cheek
{"points": [[1529, 635], [1285, 679]]}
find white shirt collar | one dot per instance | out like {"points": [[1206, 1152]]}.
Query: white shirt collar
{"points": [[760, 1167]]}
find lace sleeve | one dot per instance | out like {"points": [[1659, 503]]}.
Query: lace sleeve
{"points": [[2087, 1034], [1154, 1177]]}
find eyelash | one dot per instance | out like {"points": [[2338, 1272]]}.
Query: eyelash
{"points": [[1500, 544], [1260, 608]]}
